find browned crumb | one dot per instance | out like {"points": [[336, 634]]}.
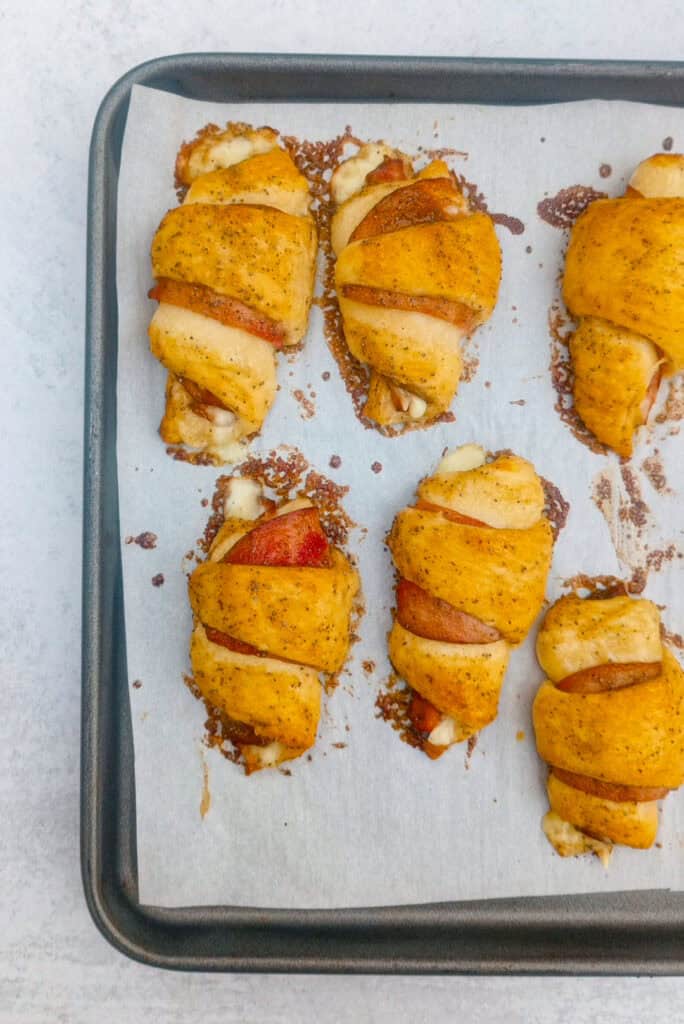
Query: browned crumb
{"points": [[393, 707], [675, 639], [307, 406], [520, 735], [194, 458], [556, 508], [471, 364], [327, 496], [191, 685], [376, 467], [158, 580], [146, 540], [598, 587], [339, 746], [667, 143], [279, 472], [605, 170], [369, 667], [335, 462], [563, 209], [136, 684]]}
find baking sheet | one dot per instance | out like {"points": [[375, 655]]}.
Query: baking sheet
{"points": [[374, 822]]}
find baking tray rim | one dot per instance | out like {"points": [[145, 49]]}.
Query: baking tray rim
{"points": [[546, 935]]}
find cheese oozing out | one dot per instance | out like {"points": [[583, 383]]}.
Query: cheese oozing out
{"points": [[225, 152], [350, 177], [568, 841], [243, 498], [409, 403], [460, 460], [267, 757], [660, 176], [444, 734]]}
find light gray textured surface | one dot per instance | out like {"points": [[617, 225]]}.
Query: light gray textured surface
{"points": [[57, 61]]}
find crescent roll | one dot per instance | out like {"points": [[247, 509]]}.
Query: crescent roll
{"points": [[472, 556], [416, 271], [234, 266], [609, 722], [624, 283], [271, 607]]}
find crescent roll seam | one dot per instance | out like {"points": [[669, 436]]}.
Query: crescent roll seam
{"points": [[407, 243], [617, 747], [624, 284], [469, 589], [234, 266]]}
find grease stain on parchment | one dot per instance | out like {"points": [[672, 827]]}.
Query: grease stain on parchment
{"points": [[632, 526], [205, 801]]}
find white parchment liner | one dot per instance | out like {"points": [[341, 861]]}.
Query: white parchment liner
{"points": [[375, 822]]}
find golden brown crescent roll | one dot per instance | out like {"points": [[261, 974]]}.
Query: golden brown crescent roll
{"points": [[609, 722], [234, 266], [472, 555], [624, 283], [271, 608], [416, 271]]}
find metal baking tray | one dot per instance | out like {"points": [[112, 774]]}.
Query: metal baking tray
{"points": [[624, 933]]}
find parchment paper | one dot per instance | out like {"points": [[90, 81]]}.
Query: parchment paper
{"points": [[375, 822]]}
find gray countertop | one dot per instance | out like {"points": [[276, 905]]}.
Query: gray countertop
{"points": [[57, 61]]}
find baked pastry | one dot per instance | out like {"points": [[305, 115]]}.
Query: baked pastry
{"points": [[416, 271], [235, 268], [272, 607], [472, 556], [609, 722], [624, 283]]}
